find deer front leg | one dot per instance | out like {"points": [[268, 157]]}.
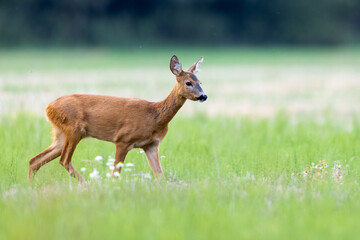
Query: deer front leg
{"points": [[121, 152], [152, 154]]}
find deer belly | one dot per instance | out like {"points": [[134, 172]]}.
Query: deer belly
{"points": [[105, 133], [140, 144]]}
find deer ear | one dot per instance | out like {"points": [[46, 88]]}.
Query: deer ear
{"points": [[195, 68], [175, 66]]}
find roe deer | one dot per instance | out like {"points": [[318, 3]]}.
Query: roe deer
{"points": [[127, 122]]}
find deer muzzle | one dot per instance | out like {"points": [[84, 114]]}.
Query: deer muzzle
{"points": [[202, 98]]}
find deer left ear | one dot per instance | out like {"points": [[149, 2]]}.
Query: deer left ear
{"points": [[175, 66], [195, 68]]}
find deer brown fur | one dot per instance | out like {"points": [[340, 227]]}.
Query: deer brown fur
{"points": [[128, 123]]}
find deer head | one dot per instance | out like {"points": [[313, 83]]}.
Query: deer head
{"points": [[188, 85]]}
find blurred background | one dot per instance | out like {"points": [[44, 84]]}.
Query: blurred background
{"points": [[205, 22], [261, 57]]}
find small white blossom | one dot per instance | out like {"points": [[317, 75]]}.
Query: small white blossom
{"points": [[111, 159], [141, 151], [127, 169], [109, 164], [94, 174], [108, 175], [130, 165], [147, 176], [162, 157], [98, 158], [112, 168], [83, 169], [116, 174], [119, 165]]}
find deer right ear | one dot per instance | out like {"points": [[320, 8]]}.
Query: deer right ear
{"points": [[175, 66], [195, 68]]}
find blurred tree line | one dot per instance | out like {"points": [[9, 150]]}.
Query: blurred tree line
{"points": [[136, 22]]}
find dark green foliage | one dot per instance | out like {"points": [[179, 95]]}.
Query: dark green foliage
{"points": [[116, 23]]}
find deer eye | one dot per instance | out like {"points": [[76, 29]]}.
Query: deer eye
{"points": [[188, 84]]}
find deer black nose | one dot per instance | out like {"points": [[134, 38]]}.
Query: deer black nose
{"points": [[202, 98]]}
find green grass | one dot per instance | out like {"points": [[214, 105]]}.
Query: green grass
{"points": [[28, 60], [227, 178]]}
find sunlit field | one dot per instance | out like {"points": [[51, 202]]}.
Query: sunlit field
{"points": [[274, 153]]}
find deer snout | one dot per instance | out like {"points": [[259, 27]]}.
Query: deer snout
{"points": [[202, 98]]}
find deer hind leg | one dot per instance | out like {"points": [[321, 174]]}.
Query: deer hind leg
{"points": [[49, 154], [66, 155], [152, 154]]}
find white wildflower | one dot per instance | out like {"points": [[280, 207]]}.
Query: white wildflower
{"points": [[94, 174], [98, 158], [119, 165], [83, 169], [108, 175], [116, 174], [141, 151], [112, 168], [130, 165], [147, 176], [111, 159], [162, 157], [109, 164], [127, 169]]}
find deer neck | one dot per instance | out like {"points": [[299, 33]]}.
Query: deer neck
{"points": [[168, 108]]}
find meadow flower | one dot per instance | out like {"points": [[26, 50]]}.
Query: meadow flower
{"points": [[319, 166], [109, 164], [319, 171], [108, 175], [98, 158], [83, 169], [338, 171], [127, 169], [147, 175], [110, 159], [162, 157], [116, 174], [112, 168], [119, 165], [94, 174], [130, 165]]}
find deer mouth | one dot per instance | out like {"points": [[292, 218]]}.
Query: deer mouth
{"points": [[202, 98]]}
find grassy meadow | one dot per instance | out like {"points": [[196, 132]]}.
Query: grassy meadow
{"points": [[273, 154]]}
